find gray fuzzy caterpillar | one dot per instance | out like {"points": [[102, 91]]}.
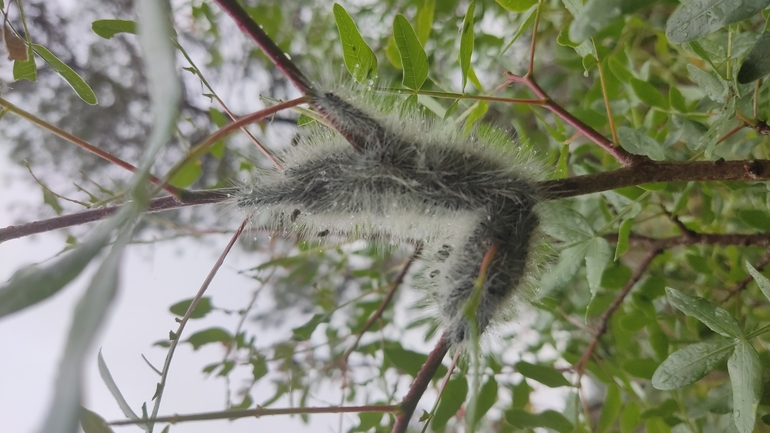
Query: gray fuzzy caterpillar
{"points": [[408, 180]]}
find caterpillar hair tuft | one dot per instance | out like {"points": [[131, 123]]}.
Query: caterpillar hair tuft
{"points": [[402, 177]]}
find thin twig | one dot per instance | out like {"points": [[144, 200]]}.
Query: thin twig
{"points": [[177, 335], [616, 303], [84, 144], [259, 412], [620, 154], [385, 301]]}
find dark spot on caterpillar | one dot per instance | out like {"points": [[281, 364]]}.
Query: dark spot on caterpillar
{"points": [[323, 233], [294, 215], [434, 273], [443, 253]]}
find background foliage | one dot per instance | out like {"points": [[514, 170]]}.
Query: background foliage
{"points": [[647, 317]]}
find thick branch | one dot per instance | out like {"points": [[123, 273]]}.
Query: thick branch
{"points": [[637, 174], [271, 50], [648, 171], [420, 384], [758, 239], [191, 198]]}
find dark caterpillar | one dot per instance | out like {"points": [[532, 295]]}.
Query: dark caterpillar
{"points": [[406, 179]]}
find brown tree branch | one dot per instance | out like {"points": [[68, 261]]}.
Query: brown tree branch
{"points": [[191, 198], [271, 50], [757, 239], [420, 384], [258, 412], [637, 174], [644, 171]]}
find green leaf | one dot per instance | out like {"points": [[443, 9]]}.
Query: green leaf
{"points": [[413, 58], [629, 418], [676, 100], [451, 401], [698, 18], [713, 316], [715, 88], [762, 281], [109, 28], [409, 361], [93, 423], [187, 175], [623, 233], [746, 379], [258, 368], [691, 363], [88, 316], [546, 375], [639, 143], [486, 398], [203, 308], [570, 260], [517, 5], [52, 200], [466, 44], [78, 84], [425, 20], [643, 368], [598, 14], [369, 421], [303, 333], [598, 254], [476, 114], [569, 225], [359, 57], [391, 52], [33, 284], [104, 372], [211, 335], [610, 410], [757, 63], [757, 219], [25, 70], [521, 419], [648, 94]]}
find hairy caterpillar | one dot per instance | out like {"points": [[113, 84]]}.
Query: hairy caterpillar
{"points": [[405, 179]]}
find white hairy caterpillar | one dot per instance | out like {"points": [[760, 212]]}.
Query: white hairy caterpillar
{"points": [[403, 178]]}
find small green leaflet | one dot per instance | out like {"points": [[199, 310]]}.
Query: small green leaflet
{"points": [[699, 18], [78, 84], [762, 281], [746, 378], [598, 14], [109, 28], [413, 58], [359, 58], [691, 363], [466, 43], [517, 5], [713, 316], [425, 20], [451, 401], [757, 63]]}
